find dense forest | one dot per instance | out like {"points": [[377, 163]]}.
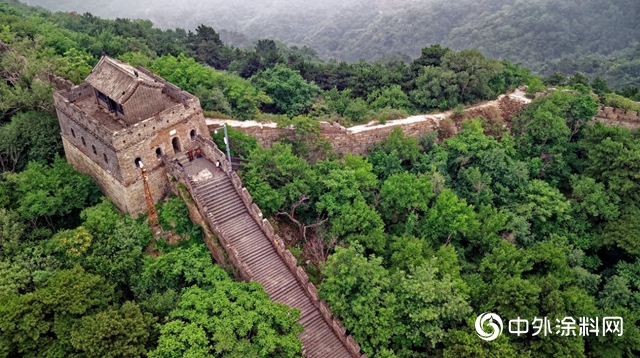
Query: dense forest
{"points": [[597, 37], [408, 245]]}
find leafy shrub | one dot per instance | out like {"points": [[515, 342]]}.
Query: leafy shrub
{"points": [[617, 101]]}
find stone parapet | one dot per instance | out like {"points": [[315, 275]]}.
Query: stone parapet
{"points": [[618, 117], [358, 139], [213, 153]]}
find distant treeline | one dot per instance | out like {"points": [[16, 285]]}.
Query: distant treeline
{"points": [[596, 37]]}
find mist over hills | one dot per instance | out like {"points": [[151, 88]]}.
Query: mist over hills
{"points": [[592, 36]]}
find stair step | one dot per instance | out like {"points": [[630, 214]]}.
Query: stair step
{"points": [[224, 206], [291, 286], [295, 299]]}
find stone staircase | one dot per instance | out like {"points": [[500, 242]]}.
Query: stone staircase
{"points": [[226, 210]]}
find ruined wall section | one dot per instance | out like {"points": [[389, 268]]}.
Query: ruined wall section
{"points": [[58, 82], [618, 117], [358, 140]]}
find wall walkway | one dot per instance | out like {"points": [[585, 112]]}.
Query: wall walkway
{"points": [[257, 253]]}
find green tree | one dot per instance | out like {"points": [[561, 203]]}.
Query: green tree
{"points": [[389, 97], [229, 319], [472, 74], [241, 145], [611, 157], [290, 93], [276, 177], [75, 65], [115, 332], [436, 88], [448, 219], [208, 47], [52, 193], [28, 137], [359, 292], [430, 56], [404, 194], [40, 323]]}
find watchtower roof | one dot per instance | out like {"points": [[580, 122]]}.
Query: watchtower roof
{"points": [[118, 80]]}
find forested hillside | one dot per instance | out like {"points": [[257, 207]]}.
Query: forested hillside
{"points": [[545, 35], [537, 218]]}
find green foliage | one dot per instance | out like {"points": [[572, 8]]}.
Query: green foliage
{"points": [[305, 138], [116, 332], [546, 128], [404, 194], [28, 321], [174, 215], [617, 101], [357, 110], [623, 231], [76, 65], [229, 319], [611, 158], [186, 73], [390, 97], [290, 93], [396, 312], [359, 290], [275, 176], [51, 195], [117, 243], [28, 137], [177, 270], [510, 77], [388, 114], [241, 145]]}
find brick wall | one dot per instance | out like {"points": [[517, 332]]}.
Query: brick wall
{"points": [[110, 156], [618, 117], [129, 198], [358, 140]]}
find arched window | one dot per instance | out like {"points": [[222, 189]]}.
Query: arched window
{"points": [[73, 133], [104, 156], [94, 149], [158, 152], [83, 142], [138, 162], [193, 134]]}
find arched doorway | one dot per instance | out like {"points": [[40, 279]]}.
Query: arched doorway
{"points": [[176, 145], [193, 134]]}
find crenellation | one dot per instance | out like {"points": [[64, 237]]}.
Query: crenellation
{"points": [[312, 291]]}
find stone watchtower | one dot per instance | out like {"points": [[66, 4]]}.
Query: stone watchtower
{"points": [[123, 116]]}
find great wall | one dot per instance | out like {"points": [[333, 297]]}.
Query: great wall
{"points": [[221, 205], [111, 147], [358, 139]]}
